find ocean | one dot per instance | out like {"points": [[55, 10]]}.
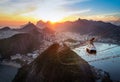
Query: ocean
{"points": [[7, 73], [107, 58]]}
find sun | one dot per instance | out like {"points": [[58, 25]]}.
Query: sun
{"points": [[47, 14], [49, 17]]}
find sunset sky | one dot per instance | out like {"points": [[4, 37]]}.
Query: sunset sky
{"points": [[19, 12]]}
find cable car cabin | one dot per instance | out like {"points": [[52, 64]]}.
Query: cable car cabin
{"points": [[91, 49]]}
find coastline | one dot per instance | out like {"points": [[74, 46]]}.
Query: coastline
{"points": [[10, 63]]}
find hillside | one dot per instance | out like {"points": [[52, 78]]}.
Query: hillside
{"points": [[19, 43], [54, 66]]}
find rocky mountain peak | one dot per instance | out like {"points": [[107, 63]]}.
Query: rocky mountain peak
{"points": [[55, 65]]}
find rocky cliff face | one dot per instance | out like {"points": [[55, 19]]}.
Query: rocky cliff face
{"points": [[56, 64]]}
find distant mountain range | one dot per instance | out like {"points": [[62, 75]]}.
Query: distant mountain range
{"points": [[83, 26], [30, 37]]}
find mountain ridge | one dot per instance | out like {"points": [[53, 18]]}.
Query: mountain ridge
{"points": [[48, 67], [90, 27]]}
